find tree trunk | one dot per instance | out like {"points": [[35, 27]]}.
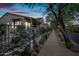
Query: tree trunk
{"points": [[60, 17], [62, 26], [51, 9], [60, 21]]}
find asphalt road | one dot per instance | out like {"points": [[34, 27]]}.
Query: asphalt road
{"points": [[74, 37]]}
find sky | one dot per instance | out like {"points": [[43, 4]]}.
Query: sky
{"points": [[21, 9]]}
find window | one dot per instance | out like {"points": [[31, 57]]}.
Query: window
{"points": [[27, 24]]}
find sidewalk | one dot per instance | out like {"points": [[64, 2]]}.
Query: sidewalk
{"points": [[53, 48]]}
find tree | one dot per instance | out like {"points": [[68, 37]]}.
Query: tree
{"points": [[62, 13], [66, 11], [51, 19], [56, 12]]}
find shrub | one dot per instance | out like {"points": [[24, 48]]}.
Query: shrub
{"points": [[26, 52]]}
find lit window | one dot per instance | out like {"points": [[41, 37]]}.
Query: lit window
{"points": [[17, 23], [27, 24]]}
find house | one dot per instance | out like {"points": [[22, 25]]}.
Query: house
{"points": [[9, 23], [9, 18]]}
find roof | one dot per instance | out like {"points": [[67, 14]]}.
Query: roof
{"points": [[40, 19], [36, 19], [16, 15]]}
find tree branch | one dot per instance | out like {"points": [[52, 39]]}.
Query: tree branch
{"points": [[51, 8]]}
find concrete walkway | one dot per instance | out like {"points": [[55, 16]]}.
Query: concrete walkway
{"points": [[53, 48]]}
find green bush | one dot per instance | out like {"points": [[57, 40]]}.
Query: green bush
{"points": [[71, 28], [26, 52], [70, 45]]}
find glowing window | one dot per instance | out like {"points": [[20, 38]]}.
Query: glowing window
{"points": [[27, 24]]}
